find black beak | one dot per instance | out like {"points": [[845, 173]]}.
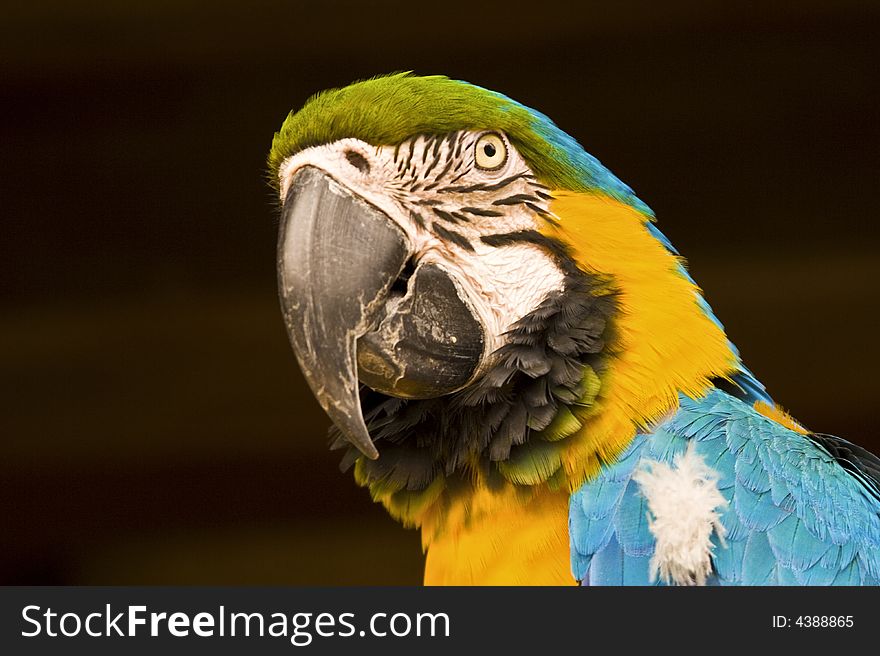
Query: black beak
{"points": [[338, 258]]}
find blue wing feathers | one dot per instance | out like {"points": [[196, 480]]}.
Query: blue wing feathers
{"points": [[785, 576], [793, 545], [664, 446], [606, 567], [715, 454], [604, 500], [623, 468], [759, 567], [704, 425], [849, 575], [756, 509], [590, 535], [736, 529], [613, 566], [817, 575], [728, 560], [838, 557], [631, 523], [795, 516], [752, 475]]}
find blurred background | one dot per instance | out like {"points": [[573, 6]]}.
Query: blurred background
{"points": [[154, 427]]}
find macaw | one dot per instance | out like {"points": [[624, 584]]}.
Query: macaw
{"points": [[518, 363]]}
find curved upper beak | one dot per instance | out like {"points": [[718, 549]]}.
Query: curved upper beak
{"points": [[337, 259]]}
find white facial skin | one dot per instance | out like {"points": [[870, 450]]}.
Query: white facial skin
{"points": [[436, 191]]}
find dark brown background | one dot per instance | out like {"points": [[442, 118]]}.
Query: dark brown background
{"points": [[154, 426]]}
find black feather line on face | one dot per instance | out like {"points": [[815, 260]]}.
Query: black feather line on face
{"points": [[540, 369], [451, 236], [449, 217]]}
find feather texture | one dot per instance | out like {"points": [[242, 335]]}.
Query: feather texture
{"points": [[795, 515]]}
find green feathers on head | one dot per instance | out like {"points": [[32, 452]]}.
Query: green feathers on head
{"points": [[387, 110]]}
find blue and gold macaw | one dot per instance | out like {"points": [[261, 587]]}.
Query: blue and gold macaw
{"points": [[517, 362]]}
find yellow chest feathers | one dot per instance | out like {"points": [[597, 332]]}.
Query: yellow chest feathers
{"points": [[515, 542]]}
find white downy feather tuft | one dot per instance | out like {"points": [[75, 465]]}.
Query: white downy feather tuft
{"points": [[683, 503]]}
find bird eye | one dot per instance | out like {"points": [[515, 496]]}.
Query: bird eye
{"points": [[490, 152]]}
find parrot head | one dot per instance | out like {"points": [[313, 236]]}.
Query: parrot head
{"points": [[475, 301]]}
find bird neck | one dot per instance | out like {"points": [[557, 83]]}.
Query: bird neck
{"points": [[664, 342], [665, 339]]}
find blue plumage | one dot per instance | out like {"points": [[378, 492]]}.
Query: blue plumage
{"points": [[795, 516]]}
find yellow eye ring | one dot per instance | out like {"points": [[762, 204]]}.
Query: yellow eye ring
{"points": [[490, 152]]}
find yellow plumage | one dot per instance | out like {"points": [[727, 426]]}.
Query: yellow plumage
{"points": [[780, 416], [663, 344], [504, 539]]}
